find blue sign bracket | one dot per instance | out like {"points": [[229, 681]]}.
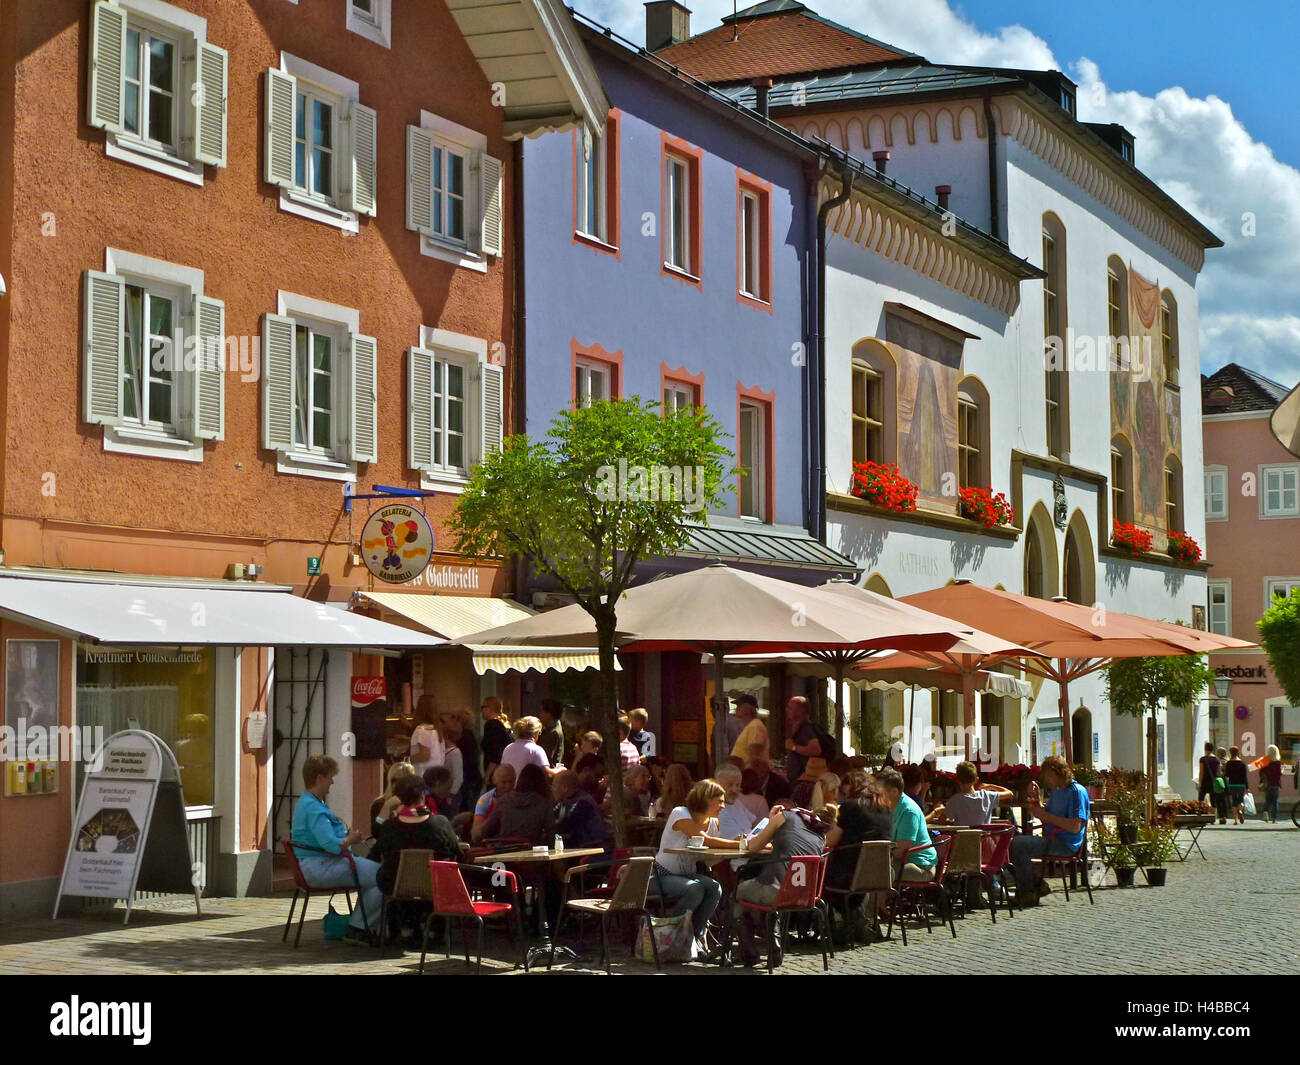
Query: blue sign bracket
{"points": [[382, 491]]}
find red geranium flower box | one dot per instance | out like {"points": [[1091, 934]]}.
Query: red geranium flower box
{"points": [[980, 504], [1183, 548], [1136, 541], [883, 485]]}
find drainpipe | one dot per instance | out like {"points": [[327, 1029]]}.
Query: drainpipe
{"points": [[817, 372], [517, 360], [990, 129]]}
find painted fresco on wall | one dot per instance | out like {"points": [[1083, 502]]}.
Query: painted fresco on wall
{"points": [[929, 370], [1140, 407]]}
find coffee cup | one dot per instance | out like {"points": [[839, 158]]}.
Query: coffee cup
{"points": [[696, 843]]}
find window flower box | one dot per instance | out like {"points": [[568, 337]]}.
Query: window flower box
{"points": [[882, 485], [1182, 548], [983, 506], [1136, 541]]}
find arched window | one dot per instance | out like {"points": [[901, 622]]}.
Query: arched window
{"points": [[1116, 300], [1080, 576], [973, 435], [1169, 338], [1041, 569], [1121, 480], [875, 436], [1034, 577], [1173, 494], [1055, 320]]}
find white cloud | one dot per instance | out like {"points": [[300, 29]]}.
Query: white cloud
{"points": [[1195, 149]]}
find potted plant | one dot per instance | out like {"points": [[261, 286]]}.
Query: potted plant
{"points": [[1182, 548], [1161, 847], [982, 505], [882, 484], [1090, 779], [1121, 857], [1130, 806], [1136, 541]]}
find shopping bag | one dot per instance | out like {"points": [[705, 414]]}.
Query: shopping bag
{"points": [[336, 924], [673, 935], [1248, 804]]}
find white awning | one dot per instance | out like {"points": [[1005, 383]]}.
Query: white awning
{"points": [[450, 616], [497, 659], [127, 611]]}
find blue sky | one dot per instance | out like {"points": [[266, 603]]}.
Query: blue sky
{"points": [[1207, 89]]}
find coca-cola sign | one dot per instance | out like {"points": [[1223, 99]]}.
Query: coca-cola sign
{"points": [[365, 690]]}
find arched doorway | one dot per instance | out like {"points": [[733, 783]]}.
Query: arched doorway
{"points": [[1041, 574], [1081, 736], [1080, 576]]}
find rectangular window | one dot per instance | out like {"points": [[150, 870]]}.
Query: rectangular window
{"points": [[1219, 594], [593, 189], [679, 397], [969, 466], [148, 341], [1169, 344], [1114, 304], [314, 375], [450, 162], [754, 240], [449, 397], [1054, 382], [868, 414], [752, 461], [1280, 491], [750, 245], [1119, 499], [149, 108], [315, 138], [677, 226], [1216, 495], [364, 9], [591, 383], [1280, 588], [1173, 500]]}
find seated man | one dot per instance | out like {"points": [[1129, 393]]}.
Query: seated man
{"points": [[503, 779], [975, 803], [909, 830], [577, 820], [1065, 821], [736, 819], [639, 736], [773, 787]]}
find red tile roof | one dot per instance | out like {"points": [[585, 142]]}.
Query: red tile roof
{"points": [[789, 42]]}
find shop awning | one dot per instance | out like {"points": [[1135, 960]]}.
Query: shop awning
{"points": [[455, 616], [125, 612], [521, 659]]}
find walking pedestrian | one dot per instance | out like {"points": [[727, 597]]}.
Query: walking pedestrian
{"points": [[1270, 775], [1234, 773], [1211, 782]]}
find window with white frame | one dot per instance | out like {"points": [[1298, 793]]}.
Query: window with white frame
{"points": [[1216, 493], [154, 357], [677, 226], [157, 88], [372, 19], [320, 143], [453, 192], [754, 242], [752, 460], [318, 388], [1219, 601], [1279, 491], [456, 405], [679, 397], [592, 382], [1279, 588], [593, 185]]}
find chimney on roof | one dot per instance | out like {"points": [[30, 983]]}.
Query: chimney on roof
{"points": [[666, 22], [942, 192], [881, 159], [762, 86]]}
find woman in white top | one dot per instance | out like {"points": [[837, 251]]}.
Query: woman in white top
{"points": [[677, 875], [427, 748]]}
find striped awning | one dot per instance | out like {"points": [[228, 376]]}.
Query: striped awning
{"points": [[493, 659], [450, 616]]}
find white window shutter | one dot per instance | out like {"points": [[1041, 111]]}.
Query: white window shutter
{"points": [[359, 170], [419, 180], [105, 311], [209, 374], [419, 439], [277, 382], [489, 176], [364, 405], [281, 93], [493, 416], [208, 103], [107, 67]]}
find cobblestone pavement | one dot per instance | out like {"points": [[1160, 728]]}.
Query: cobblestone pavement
{"points": [[1239, 904]]}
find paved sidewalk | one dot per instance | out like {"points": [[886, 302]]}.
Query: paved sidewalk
{"points": [[1239, 904]]}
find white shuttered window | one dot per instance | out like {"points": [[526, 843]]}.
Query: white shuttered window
{"points": [[453, 192], [456, 413]]}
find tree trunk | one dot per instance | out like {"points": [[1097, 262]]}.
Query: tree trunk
{"points": [[1152, 768], [606, 625]]}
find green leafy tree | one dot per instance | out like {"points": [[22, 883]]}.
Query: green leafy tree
{"points": [[1136, 686], [1279, 635], [582, 507]]}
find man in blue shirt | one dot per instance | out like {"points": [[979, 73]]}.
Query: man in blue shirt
{"points": [[1065, 823], [316, 829]]}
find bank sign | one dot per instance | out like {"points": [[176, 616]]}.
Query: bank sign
{"points": [[397, 543]]}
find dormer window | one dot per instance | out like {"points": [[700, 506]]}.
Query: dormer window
{"points": [[1067, 99]]}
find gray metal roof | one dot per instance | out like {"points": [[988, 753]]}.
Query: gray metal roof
{"points": [[874, 83], [730, 545]]}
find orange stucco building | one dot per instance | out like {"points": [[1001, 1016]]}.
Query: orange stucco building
{"points": [[258, 254]]}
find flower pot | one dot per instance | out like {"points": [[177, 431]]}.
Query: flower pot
{"points": [[1124, 875], [1128, 834], [1156, 876], [1094, 792]]}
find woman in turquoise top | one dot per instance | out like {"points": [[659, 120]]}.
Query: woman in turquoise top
{"points": [[315, 826]]}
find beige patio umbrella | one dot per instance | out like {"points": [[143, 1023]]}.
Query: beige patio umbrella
{"points": [[1285, 422]]}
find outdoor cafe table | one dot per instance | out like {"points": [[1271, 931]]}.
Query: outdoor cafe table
{"points": [[533, 865]]}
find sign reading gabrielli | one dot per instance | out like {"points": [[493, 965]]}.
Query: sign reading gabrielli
{"points": [[397, 543]]}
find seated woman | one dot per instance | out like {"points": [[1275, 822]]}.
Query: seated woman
{"points": [[324, 841], [382, 808], [677, 783], [527, 812], [413, 827], [676, 874], [790, 832], [864, 814], [577, 820], [636, 791]]}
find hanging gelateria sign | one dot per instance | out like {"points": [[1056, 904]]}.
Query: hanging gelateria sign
{"points": [[397, 543]]}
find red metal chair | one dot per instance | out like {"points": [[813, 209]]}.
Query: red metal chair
{"points": [[1068, 865], [301, 887], [909, 895], [800, 892], [452, 902], [996, 861]]}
